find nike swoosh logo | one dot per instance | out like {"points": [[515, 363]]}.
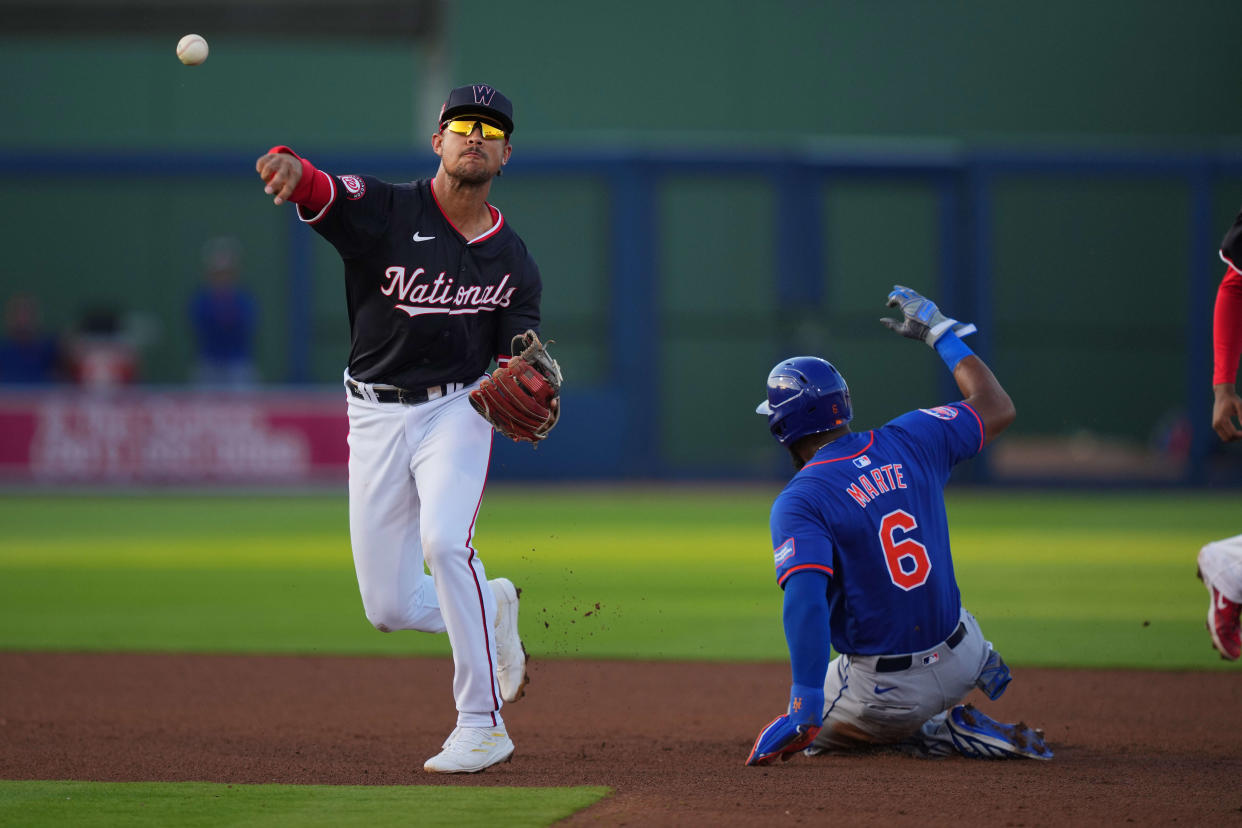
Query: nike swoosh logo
{"points": [[879, 691], [418, 237], [1221, 601]]}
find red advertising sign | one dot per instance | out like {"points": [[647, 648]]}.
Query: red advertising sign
{"points": [[145, 437]]}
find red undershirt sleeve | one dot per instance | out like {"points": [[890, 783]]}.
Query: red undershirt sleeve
{"points": [[1227, 328], [314, 190]]}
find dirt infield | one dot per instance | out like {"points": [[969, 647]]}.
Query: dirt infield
{"points": [[668, 738]]}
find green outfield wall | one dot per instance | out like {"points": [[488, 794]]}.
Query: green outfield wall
{"points": [[1089, 284]]}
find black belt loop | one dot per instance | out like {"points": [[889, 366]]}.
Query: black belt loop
{"points": [[895, 664]]}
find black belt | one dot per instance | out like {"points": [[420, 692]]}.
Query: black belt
{"points": [[895, 664], [406, 396]]}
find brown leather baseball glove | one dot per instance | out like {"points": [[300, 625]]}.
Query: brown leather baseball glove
{"points": [[522, 399]]}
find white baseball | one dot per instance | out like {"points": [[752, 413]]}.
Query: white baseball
{"points": [[192, 50]]}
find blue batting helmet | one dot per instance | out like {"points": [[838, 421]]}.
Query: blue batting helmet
{"points": [[806, 395]]}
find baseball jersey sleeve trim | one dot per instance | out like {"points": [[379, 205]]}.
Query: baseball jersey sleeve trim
{"points": [[978, 420], [321, 197], [1227, 327], [800, 567], [862, 450]]}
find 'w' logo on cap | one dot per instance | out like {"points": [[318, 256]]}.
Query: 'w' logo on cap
{"points": [[483, 95]]}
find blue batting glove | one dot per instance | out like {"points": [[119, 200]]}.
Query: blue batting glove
{"points": [[788, 734]]}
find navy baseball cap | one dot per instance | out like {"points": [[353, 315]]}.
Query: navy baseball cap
{"points": [[478, 99]]}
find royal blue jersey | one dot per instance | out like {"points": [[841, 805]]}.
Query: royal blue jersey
{"points": [[224, 322], [868, 512]]}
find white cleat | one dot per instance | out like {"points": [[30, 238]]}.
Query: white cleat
{"points": [[510, 652], [471, 749]]}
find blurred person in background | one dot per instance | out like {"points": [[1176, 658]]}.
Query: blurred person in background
{"points": [[103, 351], [28, 354], [1220, 562], [224, 315]]}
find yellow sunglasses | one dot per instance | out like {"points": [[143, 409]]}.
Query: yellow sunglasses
{"points": [[464, 127]]}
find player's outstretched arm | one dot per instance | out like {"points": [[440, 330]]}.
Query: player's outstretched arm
{"points": [[281, 174], [922, 320], [984, 393]]}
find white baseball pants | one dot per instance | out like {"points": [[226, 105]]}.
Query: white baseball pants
{"points": [[416, 479], [887, 708]]}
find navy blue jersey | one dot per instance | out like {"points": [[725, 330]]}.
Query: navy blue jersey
{"points": [[868, 512], [426, 305]]}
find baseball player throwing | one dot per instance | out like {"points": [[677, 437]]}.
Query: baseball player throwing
{"points": [[1220, 562], [862, 551], [436, 284]]}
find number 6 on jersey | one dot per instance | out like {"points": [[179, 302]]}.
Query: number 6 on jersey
{"points": [[907, 548]]}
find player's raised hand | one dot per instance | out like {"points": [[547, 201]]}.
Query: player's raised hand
{"points": [[1227, 413], [788, 734], [281, 173], [921, 319]]}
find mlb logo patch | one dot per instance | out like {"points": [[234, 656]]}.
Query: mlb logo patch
{"points": [[930, 659], [862, 462], [784, 553], [941, 412]]}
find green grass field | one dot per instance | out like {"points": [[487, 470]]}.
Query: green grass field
{"points": [[1055, 579], [194, 804], [669, 573]]}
